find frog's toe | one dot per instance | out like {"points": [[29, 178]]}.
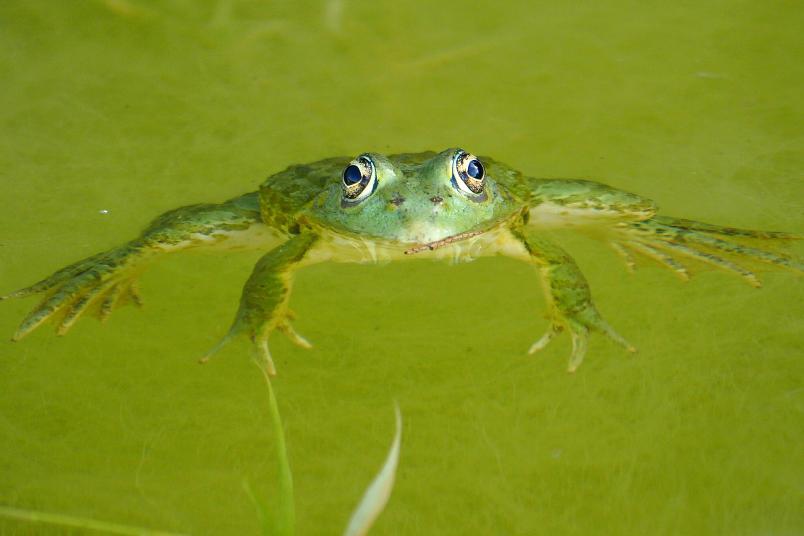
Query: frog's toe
{"points": [[264, 359], [109, 302], [579, 333], [580, 341], [545, 339], [580, 344], [71, 299], [34, 319], [74, 310], [627, 248], [48, 283], [591, 319], [133, 293], [626, 255], [579, 327], [286, 327], [294, 336], [259, 339], [262, 352]]}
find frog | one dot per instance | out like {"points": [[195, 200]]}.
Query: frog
{"points": [[376, 208]]}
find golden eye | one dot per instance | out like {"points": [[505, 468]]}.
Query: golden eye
{"points": [[468, 173], [359, 179]]}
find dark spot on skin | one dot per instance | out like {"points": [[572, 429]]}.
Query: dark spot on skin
{"points": [[437, 199], [397, 200]]}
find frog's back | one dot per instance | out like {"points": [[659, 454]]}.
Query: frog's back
{"points": [[284, 194]]}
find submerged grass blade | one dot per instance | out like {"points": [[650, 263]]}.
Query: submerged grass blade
{"points": [[33, 516], [377, 494], [263, 514], [282, 521]]}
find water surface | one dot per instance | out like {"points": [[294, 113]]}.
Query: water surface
{"points": [[114, 111]]}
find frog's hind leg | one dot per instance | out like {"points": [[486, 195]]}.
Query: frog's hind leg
{"points": [[264, 303], [662, 258], [71, 292], [740, 251], [103, 282], [569, 300]]}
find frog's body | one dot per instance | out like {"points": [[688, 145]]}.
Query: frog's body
{"points": [[376, 208]]}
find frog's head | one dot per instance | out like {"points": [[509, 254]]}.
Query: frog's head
{"points": [[413, 198]]}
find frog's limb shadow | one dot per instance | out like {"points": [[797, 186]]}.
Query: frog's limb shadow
{"points": [[569, 299], [106, 281], [264, 302]]}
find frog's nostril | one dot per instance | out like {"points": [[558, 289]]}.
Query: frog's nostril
{"points": [[437, 199]]}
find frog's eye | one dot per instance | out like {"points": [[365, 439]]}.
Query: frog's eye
{"points": [[468, 173], [359, 179]]}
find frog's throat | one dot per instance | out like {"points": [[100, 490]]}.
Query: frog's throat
{"points": [[430, 246]]}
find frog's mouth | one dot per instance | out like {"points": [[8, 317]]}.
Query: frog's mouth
{"points": [[430, 246]]}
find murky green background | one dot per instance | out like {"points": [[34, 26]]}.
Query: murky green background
{"points": [[135, 107]]}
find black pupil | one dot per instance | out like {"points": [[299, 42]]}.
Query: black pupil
{"points": [[475, 169], [352, 175]]}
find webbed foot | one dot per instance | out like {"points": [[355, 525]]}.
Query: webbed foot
{"points": [[672, 241], [259, 338], [579, 327], [98, 284]]}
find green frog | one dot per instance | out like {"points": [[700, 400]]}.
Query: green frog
{"points": [[374, 208]]}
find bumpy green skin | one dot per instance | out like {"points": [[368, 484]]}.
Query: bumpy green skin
{"points": [[302, 217]]}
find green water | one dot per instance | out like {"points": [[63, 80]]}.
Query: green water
{"points": [[136, 107]]}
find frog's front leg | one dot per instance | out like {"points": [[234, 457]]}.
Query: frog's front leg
{"points": [[264, 302], [569, 299], [105, 281]]}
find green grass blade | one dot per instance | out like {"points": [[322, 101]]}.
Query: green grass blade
{"points": [[33, 516], [283, 520], [376, 496], [263, 515]]}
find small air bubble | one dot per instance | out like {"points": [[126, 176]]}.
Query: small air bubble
{"points": [[103, 211]]}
